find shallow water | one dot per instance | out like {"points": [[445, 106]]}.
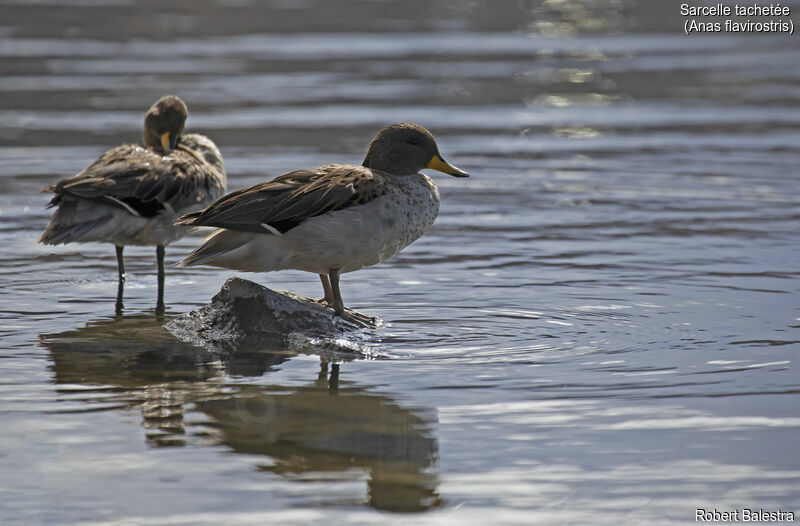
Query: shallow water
{"points": [[601, 328]]}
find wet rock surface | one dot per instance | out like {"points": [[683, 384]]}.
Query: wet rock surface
{"points": [[246, 314]]}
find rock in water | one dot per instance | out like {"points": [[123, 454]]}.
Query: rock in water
{"points": [[244, 313]]}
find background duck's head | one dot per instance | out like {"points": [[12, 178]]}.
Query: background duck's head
{"points": [[404, 149], [163, 124]]}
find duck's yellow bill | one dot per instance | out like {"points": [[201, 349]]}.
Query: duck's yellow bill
{"points": [[165, 142], [440, 165]]}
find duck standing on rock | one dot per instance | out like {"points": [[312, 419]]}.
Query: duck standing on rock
{"points": [[132, 195], [329, 220]]}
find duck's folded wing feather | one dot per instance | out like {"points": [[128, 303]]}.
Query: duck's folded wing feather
{"points": [[142, 181], [288, 200]]}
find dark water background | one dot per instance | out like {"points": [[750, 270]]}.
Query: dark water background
{"points": [[601, 328]]}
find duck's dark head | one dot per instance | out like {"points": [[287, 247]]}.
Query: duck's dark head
{"points": [[405, 149], [163, 124]]}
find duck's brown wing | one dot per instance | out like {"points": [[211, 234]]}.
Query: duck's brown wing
{"points": [[286, 201], [142, 181]]}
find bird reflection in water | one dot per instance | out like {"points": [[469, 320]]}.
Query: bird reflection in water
{"points": [[327, 430], [311, 431]]}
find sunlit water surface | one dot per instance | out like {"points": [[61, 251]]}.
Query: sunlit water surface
{"points": [[601, 328]]}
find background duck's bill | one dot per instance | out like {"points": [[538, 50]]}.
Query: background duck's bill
{"points": [[440, 165]]}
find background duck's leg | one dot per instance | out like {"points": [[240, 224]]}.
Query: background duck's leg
{"points": [[160, 261], [120, 263], [121, 277], [333, 381], [338, 304], [118, 306], [326, 286]]}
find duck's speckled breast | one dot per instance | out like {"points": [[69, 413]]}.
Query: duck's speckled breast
{"points": [[395, 220], [418, 205], [364, 235]]}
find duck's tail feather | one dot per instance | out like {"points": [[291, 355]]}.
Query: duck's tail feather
{"points": [[75, 221], [188, 219], [217, 244]]}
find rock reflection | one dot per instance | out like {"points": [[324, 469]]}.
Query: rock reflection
{"points": [[138, 364], [126, 351], [136, 351], [315, 432]]}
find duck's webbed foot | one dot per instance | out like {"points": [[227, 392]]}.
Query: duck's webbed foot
{"points": [[357, 318], [362, 320]]}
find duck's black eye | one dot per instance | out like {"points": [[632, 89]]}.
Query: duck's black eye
{"points": [[415, 142]]}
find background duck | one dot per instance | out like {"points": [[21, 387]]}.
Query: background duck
{"points": [[330, 220], [132, 195]]}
